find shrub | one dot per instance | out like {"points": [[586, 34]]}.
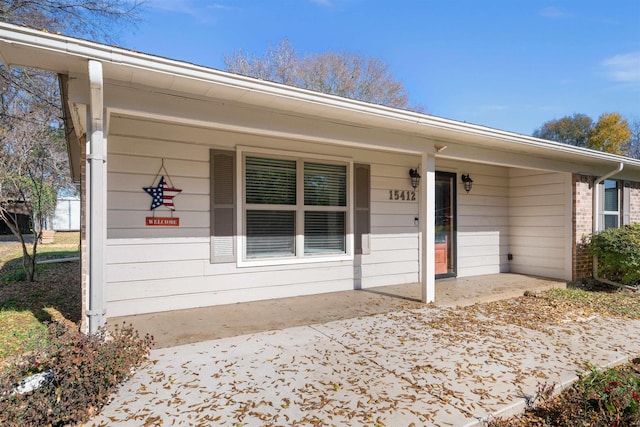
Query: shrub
{"points": [[618, 252], [608, 397], [84, 371]]}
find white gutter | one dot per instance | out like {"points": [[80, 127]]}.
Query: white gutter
{"points": [[96, 195], [595, 221]]}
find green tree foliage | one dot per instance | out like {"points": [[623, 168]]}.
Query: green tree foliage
{"points": [[572, 130], [610, 134], [344, 74]]}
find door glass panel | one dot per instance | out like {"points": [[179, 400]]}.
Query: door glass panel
{"points": [[445, 224]]}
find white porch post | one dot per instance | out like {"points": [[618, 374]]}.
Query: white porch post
{"points": [[96, 210], [427, 228]]}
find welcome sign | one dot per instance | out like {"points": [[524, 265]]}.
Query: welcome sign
{"points": [[152, 221], [162, 194]]}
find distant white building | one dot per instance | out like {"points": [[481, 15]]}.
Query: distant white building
{"points": [[67, 216]]}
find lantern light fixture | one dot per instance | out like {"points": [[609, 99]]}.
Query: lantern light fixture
{"points": [[468, 182], [415, 178]]}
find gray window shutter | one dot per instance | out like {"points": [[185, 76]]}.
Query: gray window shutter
{"points": [[626, 203], [600, 206], [222, 165], [362, 209]]}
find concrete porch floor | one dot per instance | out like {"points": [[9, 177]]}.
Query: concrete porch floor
{"points": [[179, 327]]}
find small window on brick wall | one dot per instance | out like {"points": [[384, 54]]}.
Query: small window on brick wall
{"points": [[615, 204], [611, 209]]}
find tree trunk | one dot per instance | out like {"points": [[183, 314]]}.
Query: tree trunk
{"points": [[28, 260]]}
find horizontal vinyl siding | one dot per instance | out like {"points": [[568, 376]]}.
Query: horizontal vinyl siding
{"points": [[179, 301], [539, 205], [166, 268], [133, 163], [483, 218], [394, 257]]}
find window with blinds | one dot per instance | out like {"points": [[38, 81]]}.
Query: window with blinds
{"points": [[294, 208], [270, 233], [270, 181]]}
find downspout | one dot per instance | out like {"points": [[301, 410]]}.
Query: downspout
{"points": [[596, 221], [96, 226]]}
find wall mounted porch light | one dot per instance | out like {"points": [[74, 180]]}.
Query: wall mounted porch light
{"points": [[468, 182], [415, 178]]}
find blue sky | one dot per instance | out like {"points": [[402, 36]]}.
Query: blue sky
{"points": [[506, 64]]}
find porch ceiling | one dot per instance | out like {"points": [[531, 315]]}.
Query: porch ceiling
{"points": [[68, 56]]}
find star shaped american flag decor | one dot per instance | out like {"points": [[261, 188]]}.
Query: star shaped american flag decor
{"points": [[162, 195]]}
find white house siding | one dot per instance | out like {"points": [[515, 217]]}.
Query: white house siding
{"points": [[540, 229], [394, 257], [483, 217], [153, 269]]}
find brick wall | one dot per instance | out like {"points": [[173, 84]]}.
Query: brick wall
{"points": [[635, 201], [582, 220], [582, 224]]}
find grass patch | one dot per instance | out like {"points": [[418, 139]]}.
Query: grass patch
{"points": [[55, 295], [20, 332], [65, 245], [12, 270], [537, 311], [606, 302]]}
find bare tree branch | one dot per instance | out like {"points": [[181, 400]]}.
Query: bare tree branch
{"points": [[33, 160], [337, 73]]}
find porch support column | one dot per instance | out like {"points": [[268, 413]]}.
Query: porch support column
{"points": [[96, 211], [428, 228]]}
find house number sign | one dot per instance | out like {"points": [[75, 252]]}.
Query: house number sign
{"points": [[402, 195]]}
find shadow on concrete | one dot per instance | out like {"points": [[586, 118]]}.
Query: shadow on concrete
{"points": [[392, 295]]}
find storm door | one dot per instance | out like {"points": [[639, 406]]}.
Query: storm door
{"points": [[445, 245]]}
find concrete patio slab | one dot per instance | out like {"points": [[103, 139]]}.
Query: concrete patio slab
{"points": [[186, 326], [417, 366]]}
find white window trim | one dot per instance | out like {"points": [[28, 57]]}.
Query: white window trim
{"points": [[616, 213], [241, 153]]}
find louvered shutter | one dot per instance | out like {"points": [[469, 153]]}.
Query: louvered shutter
{"points": [[362, 209], [223, 206]]}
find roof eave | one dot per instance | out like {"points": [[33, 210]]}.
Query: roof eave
{"points": [[66, 55]]}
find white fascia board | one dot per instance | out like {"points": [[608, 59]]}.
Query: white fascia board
{"points": [[143, 67]]}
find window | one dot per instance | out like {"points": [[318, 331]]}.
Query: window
{"points": [[294, 208], [611, 204], [615, 203]]}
